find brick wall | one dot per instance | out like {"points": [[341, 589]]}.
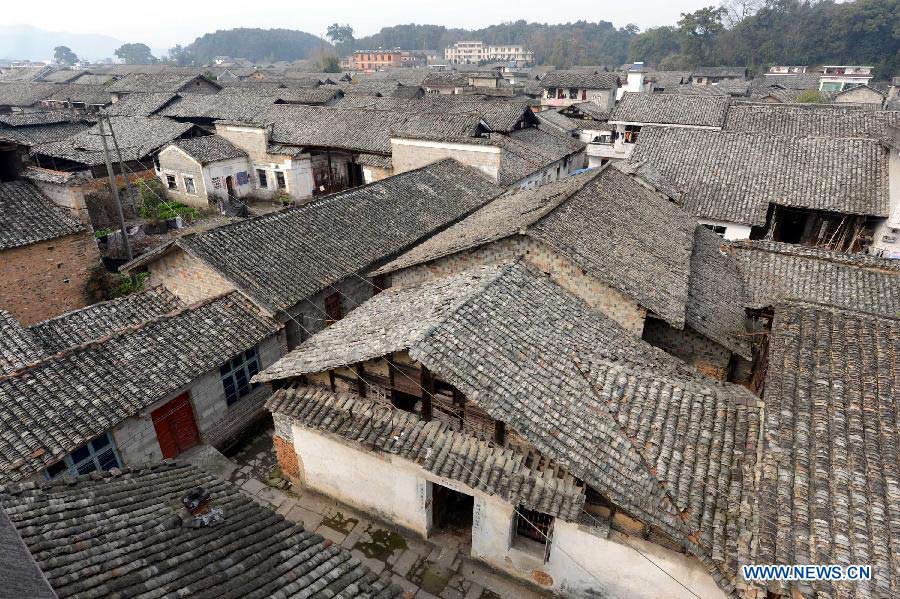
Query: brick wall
{"points": [[592, 291], [46, 279], [176, 163], [703, 353], [287, 457], [189, 278], [311, 312]]}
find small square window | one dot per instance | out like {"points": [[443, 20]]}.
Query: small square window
{"points": [[189, 185], [170, 182]]}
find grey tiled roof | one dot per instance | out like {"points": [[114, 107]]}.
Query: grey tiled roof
{"points": [[717, 294], [672, 109], [18, 345], [828, 491], [21, 575], [32, 135], [138, 137], [719, 72], [826, 120], [736, 89], [529, 150], [25, 119], [775, 272], [102, 319], [227, 106], [152, 82], [640, 427], [554, 119], [270, 256], [446, 452], [124, 533], [734, 177], [603, 220], [30, 217], [141, 104], [592, 109], [52, 407], [297, 95], [580, 79], [799, 81], [24, 94], [92, 95], [209, 148]]}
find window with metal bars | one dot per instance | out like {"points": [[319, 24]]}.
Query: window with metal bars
{"points": [[99, 454], [534, 526]]}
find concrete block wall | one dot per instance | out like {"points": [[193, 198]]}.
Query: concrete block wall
{"points": [[46, 279], [173, 162], [409, 154], [596, 294], [191, 279]]}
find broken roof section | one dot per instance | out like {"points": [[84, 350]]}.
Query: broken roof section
{"points": [[572, 382], [733, 177]]}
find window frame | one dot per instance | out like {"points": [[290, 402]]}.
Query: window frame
{"points": [[171, 182], [280, 180], [191, 187], [72, 467], [263, 177], [231, 372], [524, 533]]}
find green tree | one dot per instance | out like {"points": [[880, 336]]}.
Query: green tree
{"points": [[179, 56], [135, 54], [341, 36], [655, 44], [810, 96], [64, 55], [699, 31], [328, 63]]}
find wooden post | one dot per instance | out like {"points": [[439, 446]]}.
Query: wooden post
{"points": [[427, 393]]}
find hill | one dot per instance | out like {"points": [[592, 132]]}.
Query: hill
{"points": [[24, 42], [258, 45]]}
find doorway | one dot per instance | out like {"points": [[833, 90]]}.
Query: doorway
{"points": [[229, 187], [451, 511], [176, 427]]}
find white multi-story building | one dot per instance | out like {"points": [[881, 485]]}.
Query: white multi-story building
{"points": [[470, 52], [839, 78]]}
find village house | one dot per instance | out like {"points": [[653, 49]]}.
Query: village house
{"points": [[806, 185], [673, 288], [80, 97], [375, 60], [24, 96], [445, 82], [48, 254], [438, 406], [861, 94], [19, 132], [206, 171], [837, 78], [593, 129], [716, 75], [207, 533], [312, 275], [564, 88], [155, 377], [135, 83], [637, 110]]}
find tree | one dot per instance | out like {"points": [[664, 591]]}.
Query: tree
{"points": [[810, 96], [654, 45], [64, 55], [179, 56], [699, 31], [328, 63], [135, 54], [341, 36]]}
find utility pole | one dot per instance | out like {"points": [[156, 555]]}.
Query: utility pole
{"points": [[128, 187], [114, 190]]}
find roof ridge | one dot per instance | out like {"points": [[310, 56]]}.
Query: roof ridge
{"points": [[23, 371], [19, 487], [116, 300]]}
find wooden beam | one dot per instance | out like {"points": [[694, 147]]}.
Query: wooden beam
{"points": [[360, 382], [427, 382]]}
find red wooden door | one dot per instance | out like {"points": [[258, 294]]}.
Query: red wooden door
{"points": [[176, 428]]}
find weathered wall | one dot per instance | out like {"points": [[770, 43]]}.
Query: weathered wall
{"points": [[375, 173], [409, 154], [189, 278], [365, 480], [70, 197], [46, 279], [309, 315], [553, 172], [596, 294], [703, 353], [173, 162]]}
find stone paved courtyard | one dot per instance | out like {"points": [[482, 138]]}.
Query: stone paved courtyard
{"points": [[424, 568]]}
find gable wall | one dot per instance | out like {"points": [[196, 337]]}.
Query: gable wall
{"points": [[49, 278], [596, 294], [409, 154], [189, 278]]}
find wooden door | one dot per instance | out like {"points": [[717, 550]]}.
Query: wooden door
{"points": [[176, 428]]}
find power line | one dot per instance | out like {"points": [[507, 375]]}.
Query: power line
{"points": [[353, 272]]}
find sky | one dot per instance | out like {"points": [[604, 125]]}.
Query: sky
{"points": [[164, 23]]}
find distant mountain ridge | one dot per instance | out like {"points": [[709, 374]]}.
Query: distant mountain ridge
{"points": [[258, 45], [24, 42]]}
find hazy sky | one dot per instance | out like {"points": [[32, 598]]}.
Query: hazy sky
{"points": [[163, 23]]}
